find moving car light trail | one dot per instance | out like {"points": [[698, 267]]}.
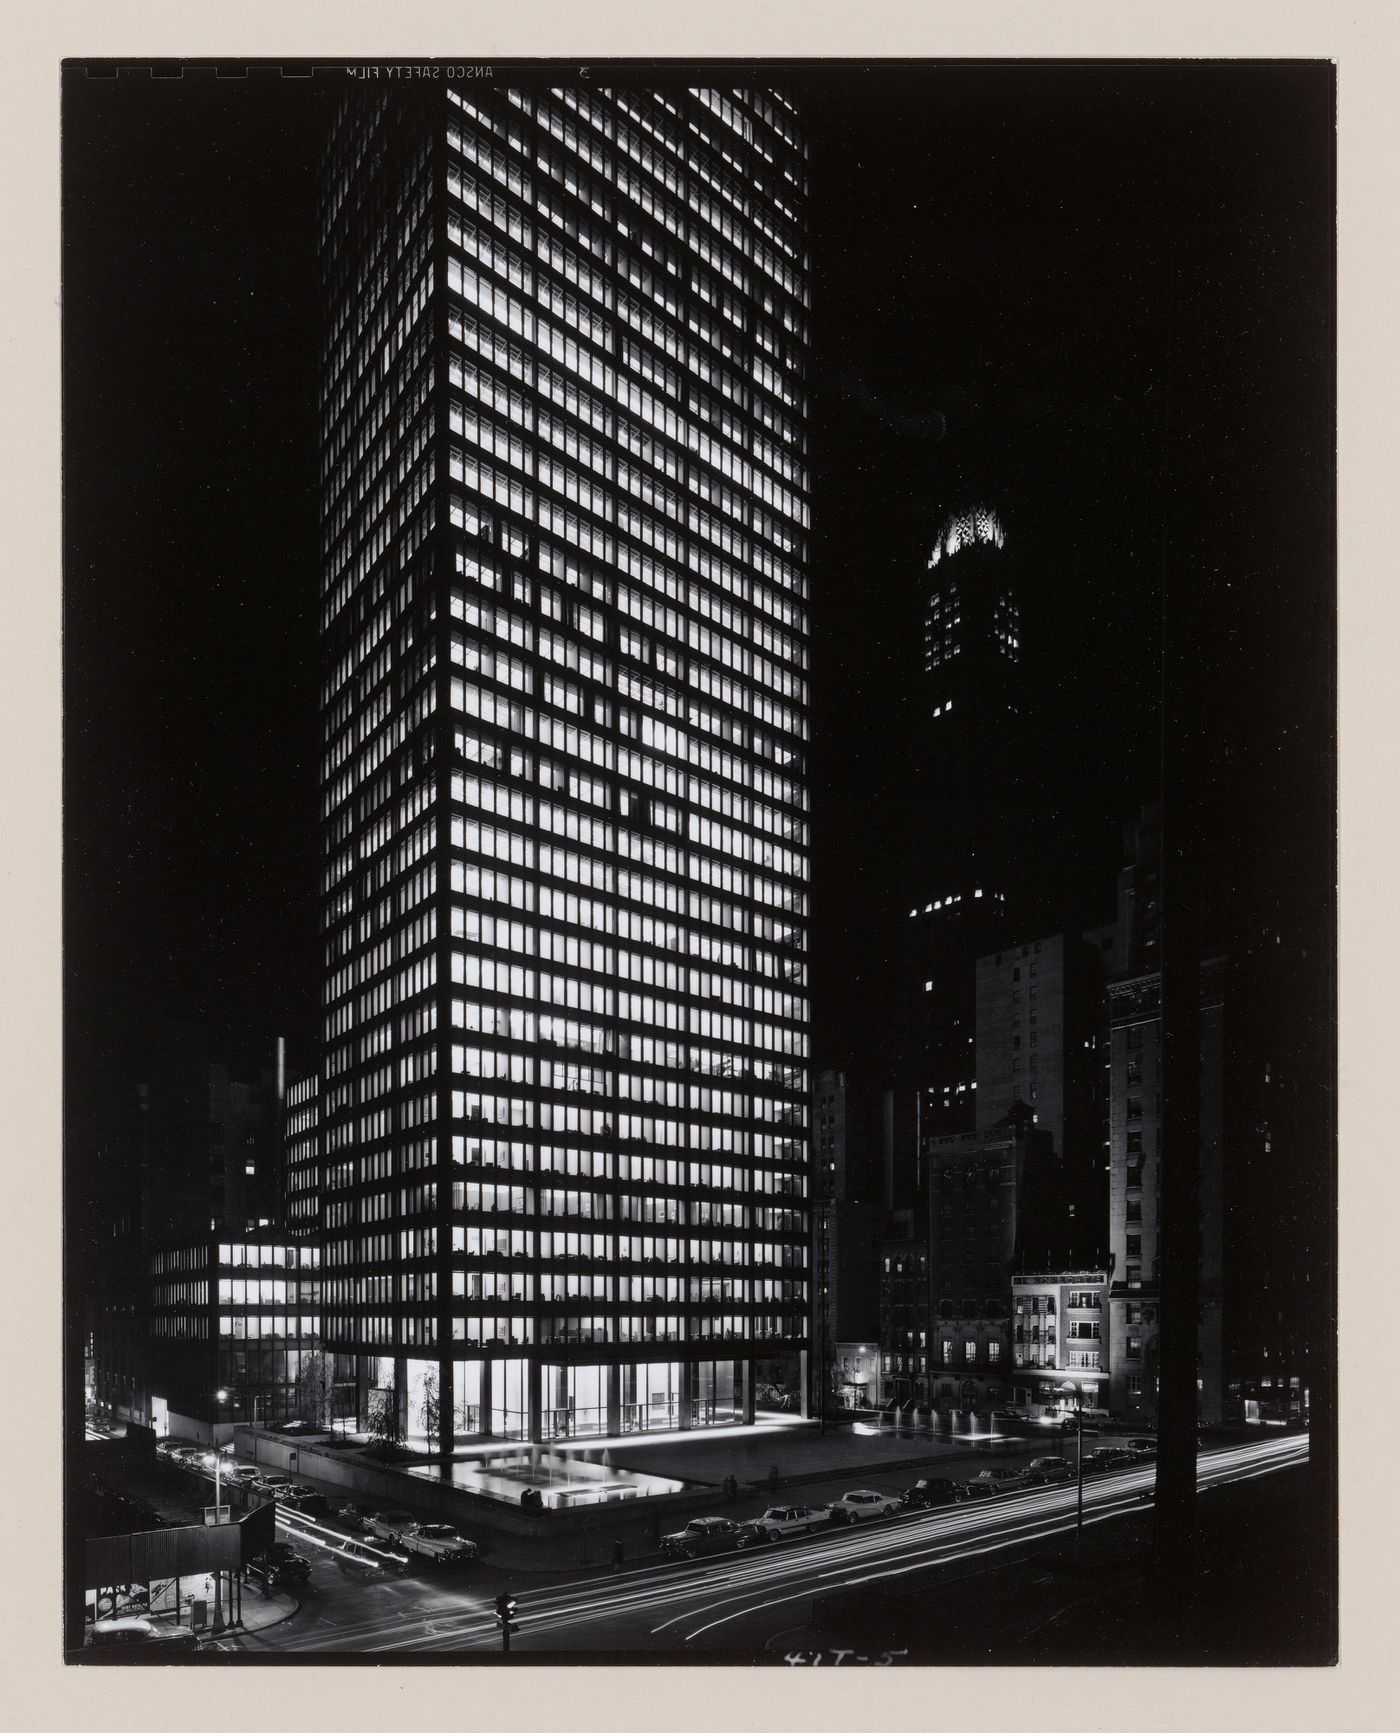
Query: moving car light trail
{"points": [[666, 1606]]}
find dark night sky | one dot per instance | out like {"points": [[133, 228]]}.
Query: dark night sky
{"points": [[1099, 294]]}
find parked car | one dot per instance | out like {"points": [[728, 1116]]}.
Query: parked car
{"points": [[1141, 1446], [244, 1473], [281, 1563], [992, 1481], [1010, 1414], [355, 1517], [927, 1494], [390, 1524], [1047, 1470], [439, 1542], [1108, 1456], [861, 1506], [309, 1503], [273, 1483], [137, 1633], [782, 1520], [702, 1534]]}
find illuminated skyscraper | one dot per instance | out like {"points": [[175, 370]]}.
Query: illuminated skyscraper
{"points": [[963, 857], [563, 1145]]}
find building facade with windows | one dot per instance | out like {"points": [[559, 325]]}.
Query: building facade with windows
{"points": [[1135, 1145], [301, 1210], [904, 1312], [1059, 1330], [238, 1315], [847, 1222], [991, 1196], [210, 1138], [964, 849], [563, 1113]]}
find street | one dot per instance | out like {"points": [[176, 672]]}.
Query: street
{"points": [[727, 1603]]}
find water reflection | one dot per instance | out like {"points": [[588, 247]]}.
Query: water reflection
{"points": [[563, 1481]]}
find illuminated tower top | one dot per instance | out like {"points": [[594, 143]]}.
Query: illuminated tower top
{"points": [[970, 609]]}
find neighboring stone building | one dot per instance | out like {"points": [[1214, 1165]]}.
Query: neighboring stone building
{"points": [[1136, 1153], [904, 1311], [847, 1219], [994, 1196], [1060, 1334]]}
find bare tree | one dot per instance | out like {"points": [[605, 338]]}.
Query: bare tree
{"points": [[429, 1407], [314, 1388], [386, 1435]]}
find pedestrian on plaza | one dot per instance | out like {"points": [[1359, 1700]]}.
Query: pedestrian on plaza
{"points": [[773, 1478], [616, 1556]]}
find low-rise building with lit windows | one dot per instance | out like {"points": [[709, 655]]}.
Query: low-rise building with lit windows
{"points": [[904, 1314], [239, 1315], [1059, 1335]]}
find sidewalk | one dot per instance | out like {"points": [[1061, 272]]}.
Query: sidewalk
{"points": [[261, 1612]]}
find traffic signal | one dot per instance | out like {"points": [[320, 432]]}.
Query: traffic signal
{"points": [[505, 1613]]}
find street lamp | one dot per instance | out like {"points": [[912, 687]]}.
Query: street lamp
{"points": [[1070, 1389], [219, 1396]]}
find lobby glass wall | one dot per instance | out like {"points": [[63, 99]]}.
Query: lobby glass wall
{"points": [[468, 1411], [718, 1397], [510, 1399], [575, 1401]]}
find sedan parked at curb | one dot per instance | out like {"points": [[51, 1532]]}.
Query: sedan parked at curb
{"points": [[992, 1481], [1109, 1456], [701, 1535], [860, 1506], [137, 1633], [390, 1524], [927, 1494], [1047, 1470], [782, 1520]]}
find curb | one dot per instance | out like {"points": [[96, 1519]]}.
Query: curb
{"points": [[237, 1635]]}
